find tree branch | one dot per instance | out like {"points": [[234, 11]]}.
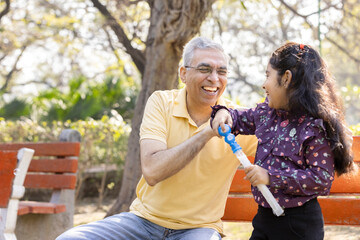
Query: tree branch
{"points": [[242, 78], [137, 55], [111, 45], [336, 44], [36, 82], [14, 69], [6, 9], [357, 60]]}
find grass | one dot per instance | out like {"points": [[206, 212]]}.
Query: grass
{"points": [[237, 230]]}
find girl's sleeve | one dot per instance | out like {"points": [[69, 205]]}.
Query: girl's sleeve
{"points": [[317, 175], [243, 120]]}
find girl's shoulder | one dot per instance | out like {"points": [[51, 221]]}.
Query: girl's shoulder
{"points": [[312, 127], [293, 136], [262, 108]]}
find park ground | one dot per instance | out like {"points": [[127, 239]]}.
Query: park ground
{"points": [[86, 211]]}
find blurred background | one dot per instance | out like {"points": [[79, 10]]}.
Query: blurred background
{"points": [[83, 64]]}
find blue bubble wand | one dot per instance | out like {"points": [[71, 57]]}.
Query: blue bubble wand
{"points": [[236, 149]]}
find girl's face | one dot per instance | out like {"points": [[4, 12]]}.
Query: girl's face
{"points": [[275, 92]]}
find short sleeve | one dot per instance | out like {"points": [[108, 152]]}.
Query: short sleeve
{"points": [[153, 124]]}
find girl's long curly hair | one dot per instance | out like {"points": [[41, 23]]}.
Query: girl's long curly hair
{"points": [[312, 89]]}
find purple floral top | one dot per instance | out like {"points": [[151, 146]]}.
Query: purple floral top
{"points": [[294, 150]]}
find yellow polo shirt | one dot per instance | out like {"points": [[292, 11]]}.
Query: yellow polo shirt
{"points": [[196, 195]]}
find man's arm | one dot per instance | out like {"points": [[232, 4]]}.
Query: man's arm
{"points": [[158, 163]]}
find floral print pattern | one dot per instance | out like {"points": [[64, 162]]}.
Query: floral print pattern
{"points": [[294, 150]]}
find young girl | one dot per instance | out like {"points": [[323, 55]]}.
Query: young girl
{"points": [[302, 141]]}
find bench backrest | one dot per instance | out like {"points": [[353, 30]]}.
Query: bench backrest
{"points": [[46, 173], [341, 207]]}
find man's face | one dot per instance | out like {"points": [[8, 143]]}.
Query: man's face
{"points": [[205, 78]]}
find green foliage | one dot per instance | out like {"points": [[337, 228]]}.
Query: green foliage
{"points": [[355, 129], [83, 99], [103, 141], [15, 109]]}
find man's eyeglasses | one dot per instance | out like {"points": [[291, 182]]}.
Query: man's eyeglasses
{"points": [[209, 70]]}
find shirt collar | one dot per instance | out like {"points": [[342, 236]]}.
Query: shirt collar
{"points": [[180, 109]]}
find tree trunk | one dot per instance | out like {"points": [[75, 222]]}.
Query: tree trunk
{"points": [[172, 24]]}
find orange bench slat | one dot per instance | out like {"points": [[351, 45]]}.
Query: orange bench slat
{"points": [[240, 208], [342, 184], [64, 165], [346, 184], [52, 181], [356, 148], [8, 162], [46, 149], [342, 210], [40, 207], [239, 184], [22, 210]]}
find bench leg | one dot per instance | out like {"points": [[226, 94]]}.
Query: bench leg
{"points": [[9, 236], [9, 231], [8, 220]]}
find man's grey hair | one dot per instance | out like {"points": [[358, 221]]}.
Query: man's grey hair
{"points": [[200, 43]]}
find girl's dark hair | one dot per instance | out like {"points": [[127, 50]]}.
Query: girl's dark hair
{"points": [[312, 90]]}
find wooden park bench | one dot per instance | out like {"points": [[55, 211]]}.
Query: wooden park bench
{"points": [[341, 207], [54, 168]]}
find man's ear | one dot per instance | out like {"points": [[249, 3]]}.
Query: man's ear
{"points": [[286, 78], [182, 73]]}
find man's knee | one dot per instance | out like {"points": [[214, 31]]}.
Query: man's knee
{"points": [[201, 233]]}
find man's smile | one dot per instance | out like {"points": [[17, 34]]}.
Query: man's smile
{"points": [[210, 89]]}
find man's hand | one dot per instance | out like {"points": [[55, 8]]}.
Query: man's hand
{"points": [[221, 118], [257, 175]]}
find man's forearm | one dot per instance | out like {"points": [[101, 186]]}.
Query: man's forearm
{"points": [[164, 163]]}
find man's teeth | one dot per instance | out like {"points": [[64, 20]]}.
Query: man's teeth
{"points": [[210, 89]]}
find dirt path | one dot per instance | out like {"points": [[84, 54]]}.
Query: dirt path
{"points": [[86, 211]]}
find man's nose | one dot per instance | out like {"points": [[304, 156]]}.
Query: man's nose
{"points": [[214, 76]]}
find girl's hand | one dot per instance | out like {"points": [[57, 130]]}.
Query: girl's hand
{"points": [[221, 118], [257, 175]]}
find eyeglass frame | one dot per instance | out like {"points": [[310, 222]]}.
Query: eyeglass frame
{"points": [[210, 68]]}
